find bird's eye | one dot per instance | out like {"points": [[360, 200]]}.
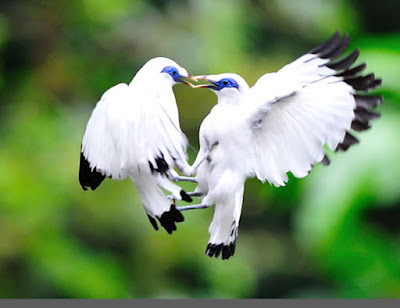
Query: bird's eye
{"points": [[172, 71], [227, 83]]}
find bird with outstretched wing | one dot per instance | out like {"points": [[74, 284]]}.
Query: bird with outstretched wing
{"points": [[282, 124]]}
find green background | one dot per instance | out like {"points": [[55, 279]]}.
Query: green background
{"points": [[333, 234]]}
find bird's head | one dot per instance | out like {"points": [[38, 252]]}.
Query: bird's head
{"points": [[168, 70], [227, 86]]}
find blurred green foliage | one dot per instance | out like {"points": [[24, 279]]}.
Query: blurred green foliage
{"points": [[333, 234]]}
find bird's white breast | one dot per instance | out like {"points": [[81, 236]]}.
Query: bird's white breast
{"points": [[226, 125]]}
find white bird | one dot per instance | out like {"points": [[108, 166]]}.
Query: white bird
{"points": [[279, 125], [134, 132]]}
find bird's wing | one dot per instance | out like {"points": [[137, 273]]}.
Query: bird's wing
{"points": [[99, 156], [309, 103], [131, 127], [162, 142]]}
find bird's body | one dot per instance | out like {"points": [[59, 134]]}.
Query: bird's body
{"points": [[221, 178], [280, 125], [134, 132]]}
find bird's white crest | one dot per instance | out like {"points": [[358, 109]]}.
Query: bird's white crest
{"points": [[279, 125], [134, 132]]}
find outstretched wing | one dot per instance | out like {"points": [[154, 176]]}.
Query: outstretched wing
{"points": [[99, 156], [311, 102]]}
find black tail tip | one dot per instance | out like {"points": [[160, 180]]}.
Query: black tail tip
{"points": [[168, 219], [153, 222], [226, 251]]}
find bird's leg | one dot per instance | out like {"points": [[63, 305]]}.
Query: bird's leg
{"points": [[177, 193], [206, 155], [190, 194], [174, 176], [192, 207], [184, 179], [195, 194]]}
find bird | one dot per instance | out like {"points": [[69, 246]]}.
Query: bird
{"points": [[134, 132], [281, 124]]}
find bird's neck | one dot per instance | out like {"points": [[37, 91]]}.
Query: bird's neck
{"points": [[228, 100]]}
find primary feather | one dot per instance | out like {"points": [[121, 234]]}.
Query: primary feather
{"points": [[134, 132], [280, 125]]}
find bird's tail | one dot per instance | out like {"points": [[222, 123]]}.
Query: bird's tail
{"points": [[157, 204], [224, 226]]}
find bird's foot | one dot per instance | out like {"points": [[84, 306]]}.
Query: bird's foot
{"points": [[174, 197], [187, 171]]}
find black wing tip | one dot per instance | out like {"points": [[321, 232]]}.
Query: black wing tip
{"points": [[353, 71], [347, 142], [346, 62], [362, 119], [168, 219], [363, 114], [359, 126], [226, 251], [377, 83], [368, 101], [336, 50], [327, 45], [185, 196], [89, 178], [332, 47], [326, 161], [363, 83]]}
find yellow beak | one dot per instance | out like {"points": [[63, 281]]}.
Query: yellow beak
{"points": [[199, 77]]}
